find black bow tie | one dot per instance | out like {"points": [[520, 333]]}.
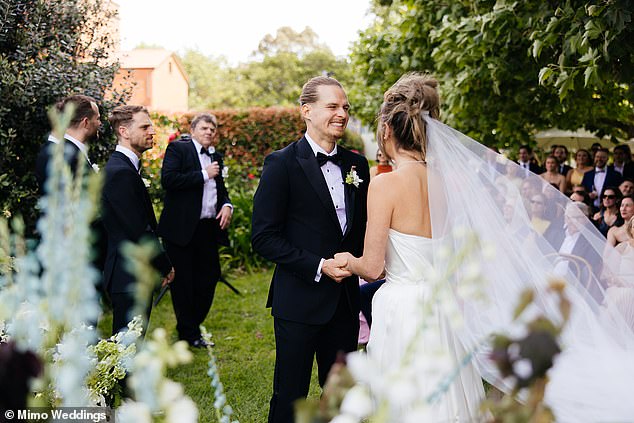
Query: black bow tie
{"points": [[203, 150], [599, 171], [322, 159]]}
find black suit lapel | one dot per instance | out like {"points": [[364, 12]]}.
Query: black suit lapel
{"points": [[309, 165], [193, 154], [349, 189], [147, 201]]}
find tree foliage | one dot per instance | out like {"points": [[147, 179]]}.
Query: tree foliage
{"points": [[47, 50], [280, 65], [507, 69]]}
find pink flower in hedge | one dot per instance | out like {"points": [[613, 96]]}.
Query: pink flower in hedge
{"points": [[173, 136]]}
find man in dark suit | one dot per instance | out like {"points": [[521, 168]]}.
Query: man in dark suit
{"points": [[601, 176], [525, 155], [561, 154], [83, 128], [308, 207], [623, 163], [194, 221], [127, 211]]}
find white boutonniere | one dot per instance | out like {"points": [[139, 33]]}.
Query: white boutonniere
{"points": [[352, 178], [95, 167], [146, 182]]}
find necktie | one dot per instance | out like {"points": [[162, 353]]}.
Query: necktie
{"points": [[203, 150], [600, 170], [322, 159]]}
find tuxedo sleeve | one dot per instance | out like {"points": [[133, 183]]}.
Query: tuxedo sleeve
{"points": [[270, 205], [173, 177]]}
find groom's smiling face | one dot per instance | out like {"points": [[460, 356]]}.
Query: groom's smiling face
{"points": [[327, 118]]}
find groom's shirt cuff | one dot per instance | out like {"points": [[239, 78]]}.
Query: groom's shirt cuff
{"points": [[318, 276]]}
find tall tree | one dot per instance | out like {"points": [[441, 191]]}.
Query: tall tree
{"points": [[274, 76], [47, 50], [490, 57]]}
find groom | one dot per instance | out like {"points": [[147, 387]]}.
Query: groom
{"points": [[308, 207]]}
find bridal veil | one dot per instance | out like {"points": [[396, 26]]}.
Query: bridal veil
{"points": [[474, 189]]}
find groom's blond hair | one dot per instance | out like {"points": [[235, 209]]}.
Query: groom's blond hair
{"points": [[309, 90]]}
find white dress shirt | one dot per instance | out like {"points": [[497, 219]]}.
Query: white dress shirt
{"points": [[210, 192], [599, 180], [334, 181], [130, 155]]}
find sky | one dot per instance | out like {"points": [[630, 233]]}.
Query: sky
{"points": [[233, 28]]}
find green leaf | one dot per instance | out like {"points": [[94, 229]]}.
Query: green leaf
{"points": [[544, 74], [537, 48]]}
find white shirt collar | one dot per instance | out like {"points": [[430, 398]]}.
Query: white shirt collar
{"points": [[79, 144], [317, 148], [130, 155], [198, 146]]}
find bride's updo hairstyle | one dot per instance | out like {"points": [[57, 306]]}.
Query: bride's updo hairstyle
{"points": [[402, 109]]}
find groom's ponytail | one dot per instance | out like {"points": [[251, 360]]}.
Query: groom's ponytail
{"points": [[403, 107]]}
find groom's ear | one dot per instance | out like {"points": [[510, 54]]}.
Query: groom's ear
{"points": [[305, 110]]}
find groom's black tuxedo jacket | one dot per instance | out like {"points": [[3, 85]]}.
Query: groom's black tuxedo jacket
{"points": [[183, 182], [127, 216], [295, 225]]}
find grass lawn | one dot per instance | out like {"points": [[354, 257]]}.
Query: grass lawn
{"points": [[242, 329]]}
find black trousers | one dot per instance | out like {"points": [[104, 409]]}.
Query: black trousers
{"points": [[197, 268], [297, 345], [122, 305]]}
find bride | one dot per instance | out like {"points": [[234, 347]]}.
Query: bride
{"points": [[444, 185]]}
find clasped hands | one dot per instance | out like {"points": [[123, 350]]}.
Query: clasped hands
{"points": [[337, 268]]}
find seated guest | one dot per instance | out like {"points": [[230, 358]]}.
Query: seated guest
{"points": [[583, 162], [574, 244], [623, 164], [552, 175], [579, 193], [601, 176], [560, 152], [619, 296], [627, 187], [617, 233], [382, 164], [525, 160], [608, 213]]}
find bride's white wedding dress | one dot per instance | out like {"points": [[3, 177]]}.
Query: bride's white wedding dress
{"points": [[399, 319], [592, 379]]}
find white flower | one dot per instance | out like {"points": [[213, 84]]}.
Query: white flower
{"points": [[146, 182], [225, 172], [523, 368], [95, 167], [357, 402], [182, 411], [133, 412], [344, 418], [352, 178]]}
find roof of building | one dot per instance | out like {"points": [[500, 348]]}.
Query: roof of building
{"points": [[147, 58]]}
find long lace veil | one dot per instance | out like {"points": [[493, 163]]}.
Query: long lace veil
{"points": [[475, 189]]}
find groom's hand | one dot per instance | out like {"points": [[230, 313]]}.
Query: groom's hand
{"points": [[335, 269]]}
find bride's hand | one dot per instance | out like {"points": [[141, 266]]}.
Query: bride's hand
{"points": [[342, 260]]}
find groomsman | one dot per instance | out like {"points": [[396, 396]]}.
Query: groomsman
{"points": [[83, 128], [309, 205], [194, 222], [127, 210]]}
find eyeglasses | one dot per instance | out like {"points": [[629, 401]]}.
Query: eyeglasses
{"points": [[609, 197]]}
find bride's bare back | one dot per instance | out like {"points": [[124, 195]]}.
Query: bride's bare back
{"points": [[409, 199]]}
